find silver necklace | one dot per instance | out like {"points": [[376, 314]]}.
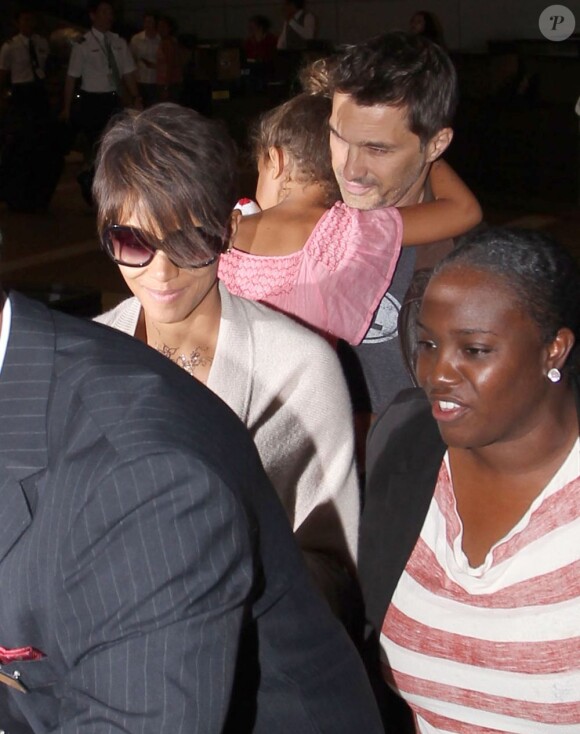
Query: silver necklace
{"points": [[190, 362]]}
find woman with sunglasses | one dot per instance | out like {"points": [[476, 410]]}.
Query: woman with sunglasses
{"points": [[165, 186]]}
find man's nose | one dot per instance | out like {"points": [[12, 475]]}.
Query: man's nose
{"points": [[353, 166]]}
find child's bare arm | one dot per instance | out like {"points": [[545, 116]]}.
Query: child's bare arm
{"points": [[454, 211]]}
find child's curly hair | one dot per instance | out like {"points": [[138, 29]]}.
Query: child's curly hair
{"points": [[299, 127]]}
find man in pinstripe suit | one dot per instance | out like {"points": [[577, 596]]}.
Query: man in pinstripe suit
{"points": [[148, 577]]}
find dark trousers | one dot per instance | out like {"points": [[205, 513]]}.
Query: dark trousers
{"points": [[30, 99], [32, 149], [94, 112], [91, 118], [149, 94]]}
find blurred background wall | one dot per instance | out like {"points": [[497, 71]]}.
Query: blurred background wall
{"points": [[468, 24]]}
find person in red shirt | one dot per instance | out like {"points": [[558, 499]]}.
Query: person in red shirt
{"points": [[260, 46]]}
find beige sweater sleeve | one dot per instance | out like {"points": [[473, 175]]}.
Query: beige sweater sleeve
{"points": [[300, 417]]}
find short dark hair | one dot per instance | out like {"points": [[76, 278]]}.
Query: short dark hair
{"points": [[262, 22], [432, 30], [171, 23], [403, 70], [24, 10], [300, 128], [176, 166], [93, 5], [541, 273]]}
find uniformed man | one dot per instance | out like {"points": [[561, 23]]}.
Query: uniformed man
{"points": [[23, 65], [103, 63]]}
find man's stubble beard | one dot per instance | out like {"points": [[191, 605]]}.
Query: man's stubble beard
{"points": [[409, 193]]}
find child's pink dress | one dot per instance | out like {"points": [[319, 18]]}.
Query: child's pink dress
{"points": [[335, 283]]}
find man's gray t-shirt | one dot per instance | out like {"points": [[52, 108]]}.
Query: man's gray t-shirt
{"points": [[374, 369]]}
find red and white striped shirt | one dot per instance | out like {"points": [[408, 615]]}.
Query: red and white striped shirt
{"points": [[492, 649]]}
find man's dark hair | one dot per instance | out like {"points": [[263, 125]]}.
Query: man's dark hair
{"points": [[93, 5], [177, 169], [402, 70]]}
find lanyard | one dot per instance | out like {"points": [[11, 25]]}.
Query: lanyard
{"points": [[105, 48], [114, 74]]}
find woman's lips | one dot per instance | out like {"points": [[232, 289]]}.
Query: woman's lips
{"points": [[164, 296], [446, 410]]}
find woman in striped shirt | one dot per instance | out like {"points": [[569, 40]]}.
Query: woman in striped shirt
{"points": [[470, 539]]}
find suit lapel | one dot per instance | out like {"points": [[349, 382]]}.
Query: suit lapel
{"points": [[24, 388]]}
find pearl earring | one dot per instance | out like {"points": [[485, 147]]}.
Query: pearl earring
{"points": [[554, 375]]}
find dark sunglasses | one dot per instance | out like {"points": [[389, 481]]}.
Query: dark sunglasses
{"points": [[131, 247]]}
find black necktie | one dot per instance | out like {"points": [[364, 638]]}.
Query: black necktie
{"points": [[113, 68], [33, 58]]}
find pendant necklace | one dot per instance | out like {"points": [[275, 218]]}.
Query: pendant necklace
{"points": [[190, 362]]}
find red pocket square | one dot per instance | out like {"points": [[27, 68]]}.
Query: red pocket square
{"points": [[19, 654]]}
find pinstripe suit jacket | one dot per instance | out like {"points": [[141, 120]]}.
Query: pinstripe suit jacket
{"points": [[143, 552]]}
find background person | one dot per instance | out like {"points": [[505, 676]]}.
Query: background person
{"points": [[23, 66], [144, 46], [32, 142], [170, 169], [300, 26], [260, 45], [103, 64], [469, 551], [169, 67], [427, 24]]}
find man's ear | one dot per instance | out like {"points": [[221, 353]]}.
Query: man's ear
{"points": [[439, 144], [276, 161]]}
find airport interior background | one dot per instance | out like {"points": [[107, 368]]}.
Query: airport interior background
{"points": [[517, 136]]}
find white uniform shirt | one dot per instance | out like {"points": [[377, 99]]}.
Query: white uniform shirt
{"points": [[5, 330], [89, 61], [144, 48], [15, 58], [303, 24]]}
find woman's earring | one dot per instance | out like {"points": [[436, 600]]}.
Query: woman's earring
{"points": [[554, 375]]}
